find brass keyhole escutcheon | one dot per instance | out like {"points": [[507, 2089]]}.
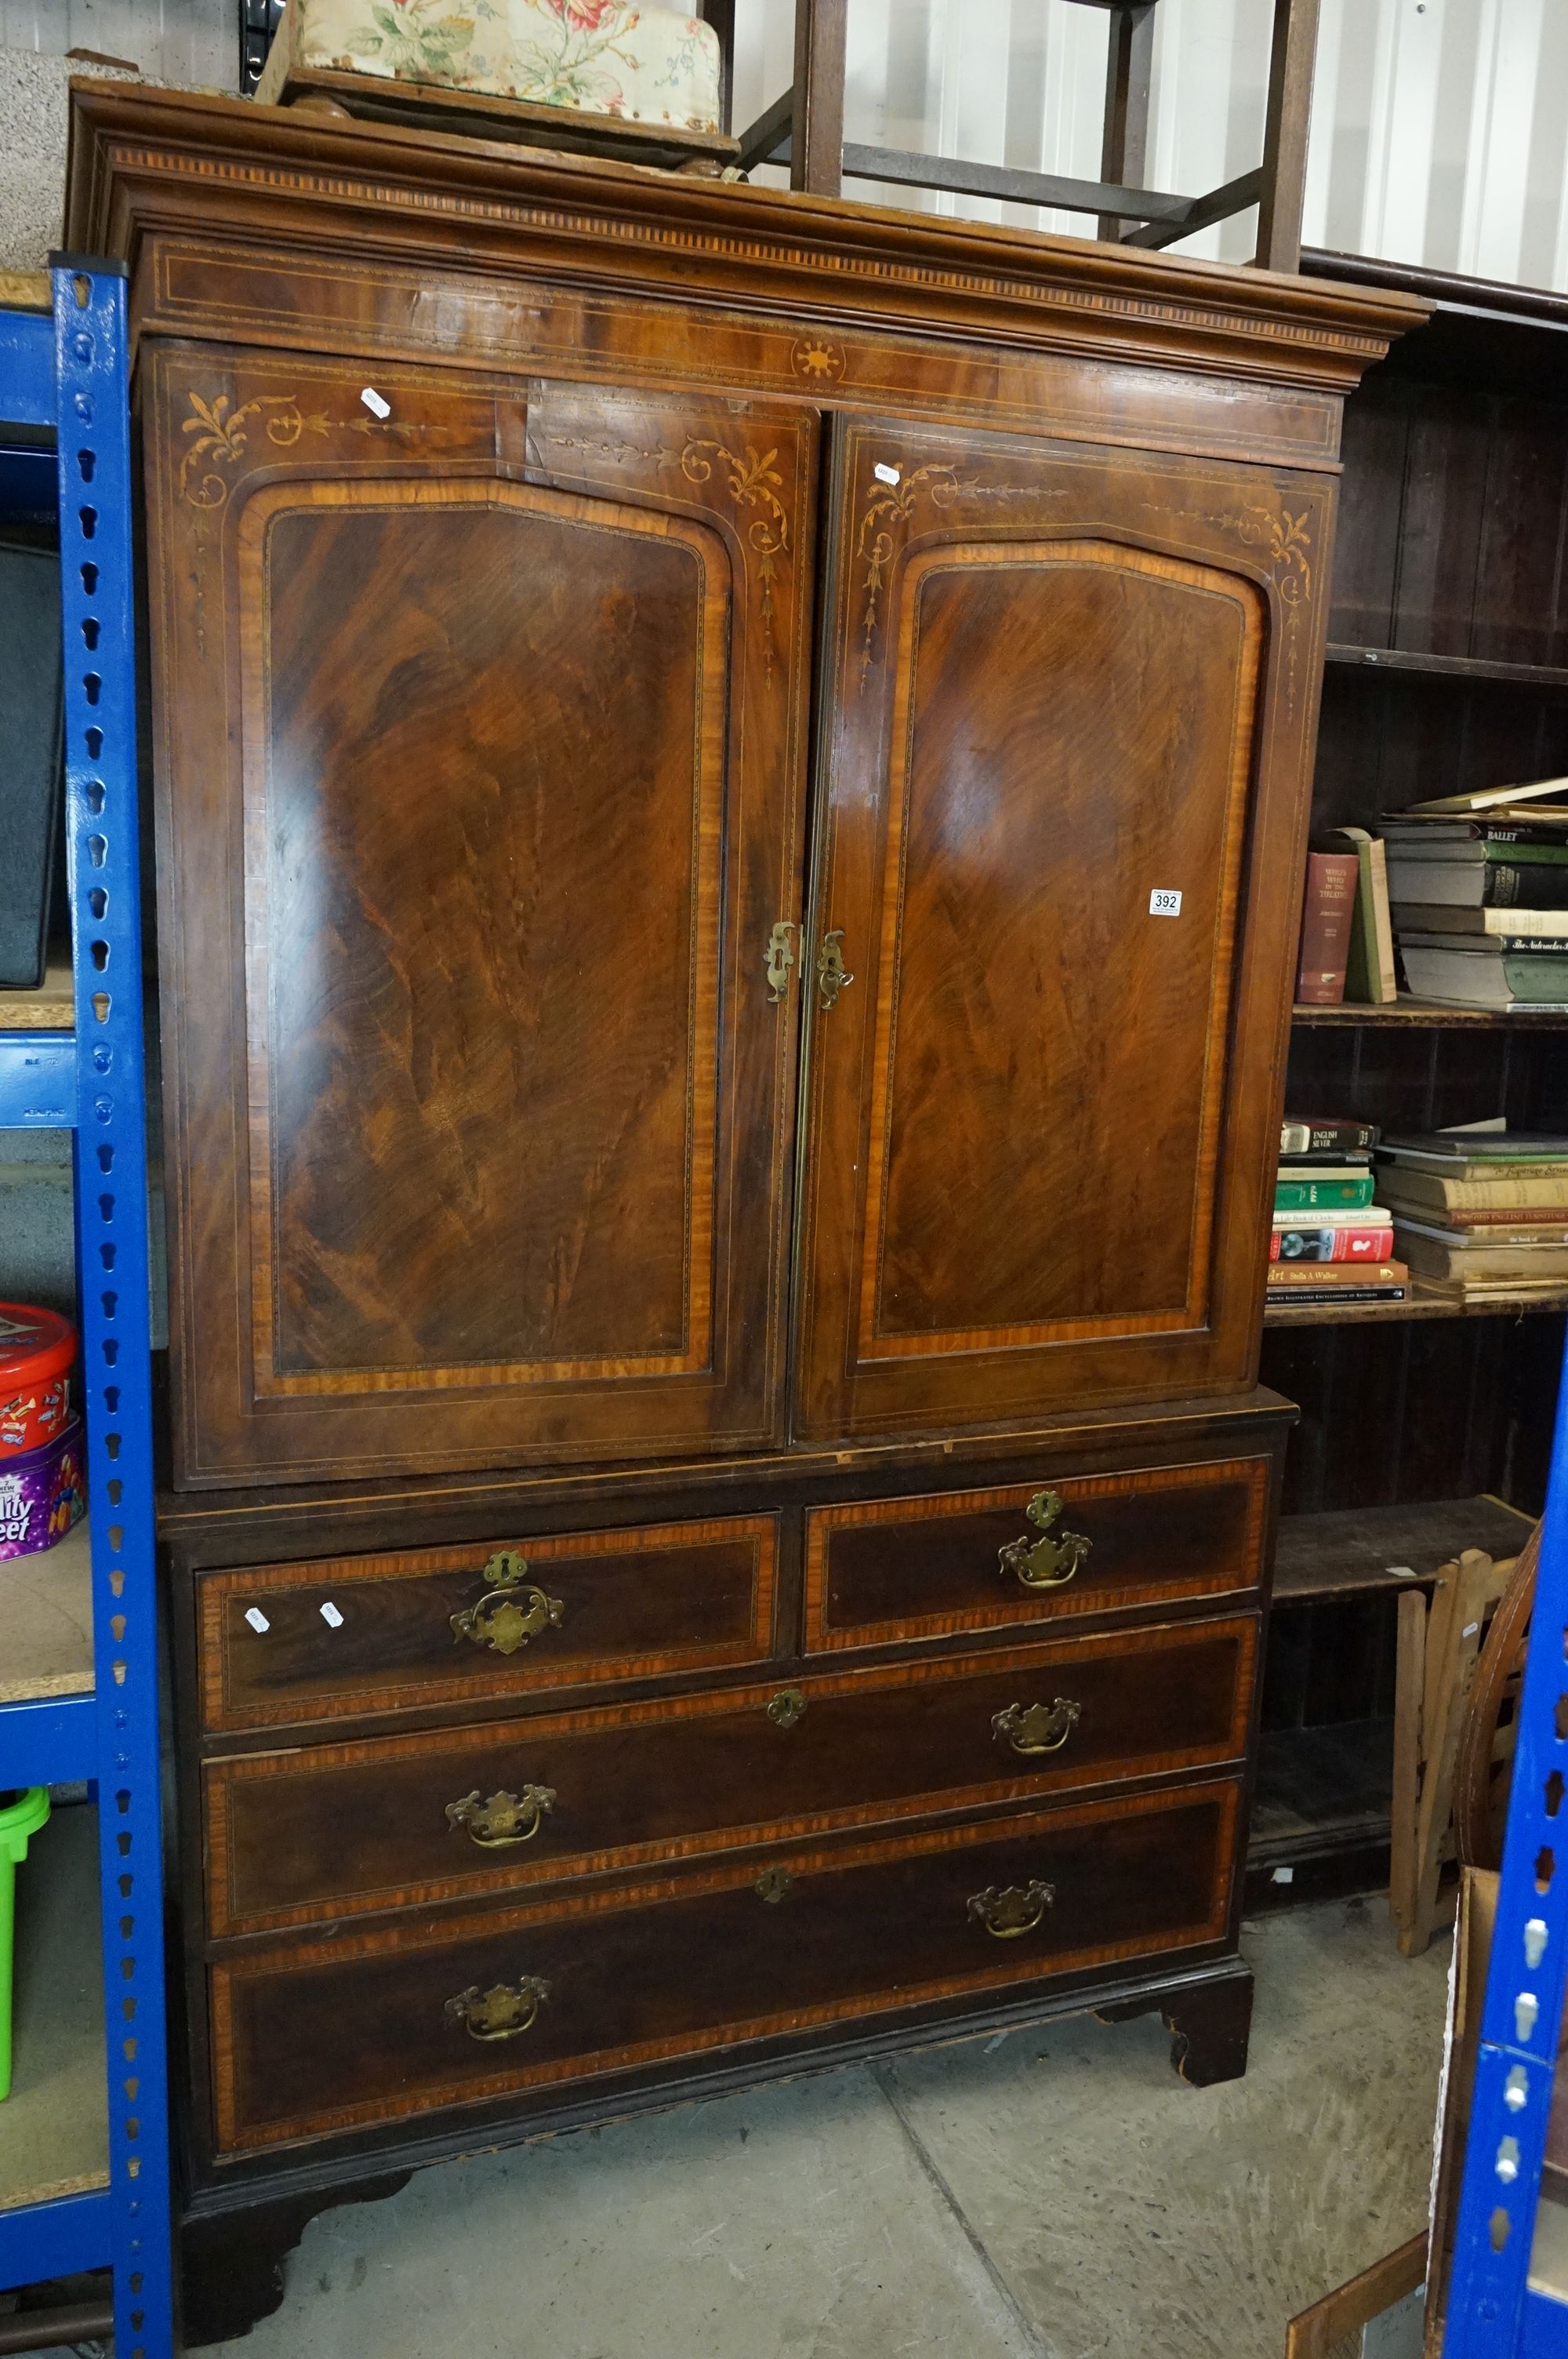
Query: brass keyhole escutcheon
{"points": [[773, 1884], [1037, 1727], [501, 2012], [786, 1708], [505, 1820], [780, 958], [832, 975], [513, 1610], [1050, 1561], [1014, 1909]]}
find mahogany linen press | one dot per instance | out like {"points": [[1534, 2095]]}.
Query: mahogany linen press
{"points": [[731, 777]]}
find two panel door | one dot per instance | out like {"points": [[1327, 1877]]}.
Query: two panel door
{"points": [[1070, 701], [480, 711]]}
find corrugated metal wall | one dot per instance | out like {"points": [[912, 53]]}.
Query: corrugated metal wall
{"points": [[1439, 127]]}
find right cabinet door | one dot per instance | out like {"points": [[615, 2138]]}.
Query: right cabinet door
{"points": [[1068, 707]]}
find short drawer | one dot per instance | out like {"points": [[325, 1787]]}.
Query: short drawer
{"points": [[302, 1642], [383, 2027], [885, 1569], [344, 1828]]}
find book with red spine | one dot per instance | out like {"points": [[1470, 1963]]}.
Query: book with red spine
{"points": [[1344, 1242], [1327, 914]]}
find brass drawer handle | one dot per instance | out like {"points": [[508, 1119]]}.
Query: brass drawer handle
{"points": [[505, 1818], [1014, 1910], [1044, 1563], [1037, 1727], [501, 2013], [786, 1708], [513, 1610]]}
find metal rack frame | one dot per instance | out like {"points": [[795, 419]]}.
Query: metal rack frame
{"points": [[71, 373], [1493, 2309]]}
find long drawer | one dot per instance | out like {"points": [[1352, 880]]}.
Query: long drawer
{"points": [[339, 1829], [394, 2024], [883, 1570], [302, 1642]]}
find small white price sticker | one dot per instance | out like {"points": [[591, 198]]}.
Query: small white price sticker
{"points": [[256, 1618], [376, 402], [1165, 902], [331, 1615], [885, 473]]}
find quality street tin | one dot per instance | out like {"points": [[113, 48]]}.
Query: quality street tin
{"points": [[42, 1494]]}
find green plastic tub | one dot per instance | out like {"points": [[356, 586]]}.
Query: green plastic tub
{"points": [[21, 1816]]}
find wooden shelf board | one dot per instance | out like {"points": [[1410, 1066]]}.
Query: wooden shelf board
{"points": [[1434, 1013], [1354, 1549], [54, 2126], [46, 1621], [1315, 1782], [51, 1007], [1418, 1304], [1550, 676]]}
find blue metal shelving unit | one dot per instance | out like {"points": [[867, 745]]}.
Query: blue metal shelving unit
{"points": [[71, 373], [1494, 2312]]}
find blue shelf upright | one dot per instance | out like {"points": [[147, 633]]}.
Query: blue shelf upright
{"points": [[70, 373]]}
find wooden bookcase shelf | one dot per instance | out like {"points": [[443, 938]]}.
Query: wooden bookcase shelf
{"points": [[1350, 1550], [1417, 1304], [1433, 1015], [1466, 670], [1452, 513]]}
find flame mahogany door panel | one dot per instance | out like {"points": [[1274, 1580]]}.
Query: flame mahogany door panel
{"points": [[480, 752], [1071, 697]]}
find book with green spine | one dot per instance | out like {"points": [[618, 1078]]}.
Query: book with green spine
{"points": [[1299, 1195]]}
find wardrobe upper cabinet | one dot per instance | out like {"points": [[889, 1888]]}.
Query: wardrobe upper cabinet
{"points": [[1071, 703], [480, 711]]}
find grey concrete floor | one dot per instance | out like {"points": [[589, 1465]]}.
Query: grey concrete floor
{"points": [[1058, 2194]]}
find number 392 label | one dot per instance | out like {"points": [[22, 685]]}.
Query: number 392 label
{"points": [[1164, 903]]}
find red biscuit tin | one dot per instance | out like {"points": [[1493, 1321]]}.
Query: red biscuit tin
{"points": [[37, 1350]]}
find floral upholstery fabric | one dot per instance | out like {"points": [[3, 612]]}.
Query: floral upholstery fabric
{"points": [[646, 65]]}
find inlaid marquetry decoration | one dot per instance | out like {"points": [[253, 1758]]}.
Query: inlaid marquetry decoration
{"points": [[1286, 540], [884, 519], [817, 359], [752, 479], [223, 436]]}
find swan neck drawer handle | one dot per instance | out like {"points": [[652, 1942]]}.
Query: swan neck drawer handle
{"points": [[1038, 1727], [505, 1820], [513, 1610], [1016, 1909], [503, 2012], [1050, 1561]]}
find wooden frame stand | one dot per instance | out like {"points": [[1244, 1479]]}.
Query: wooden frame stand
{"points": [[805, 129]]}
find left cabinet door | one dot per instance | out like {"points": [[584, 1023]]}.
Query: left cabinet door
{"points": [[479, 711]]}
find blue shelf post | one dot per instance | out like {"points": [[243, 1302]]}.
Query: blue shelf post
{"points": [[75, 378], [1492, 2312], [97, 594]]}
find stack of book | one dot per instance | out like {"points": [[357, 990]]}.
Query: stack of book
{"points": [[1478, 885], [1332, 1243], [1481, 1213]]}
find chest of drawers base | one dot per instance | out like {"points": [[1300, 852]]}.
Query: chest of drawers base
{"points": [[504, 1820]]}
